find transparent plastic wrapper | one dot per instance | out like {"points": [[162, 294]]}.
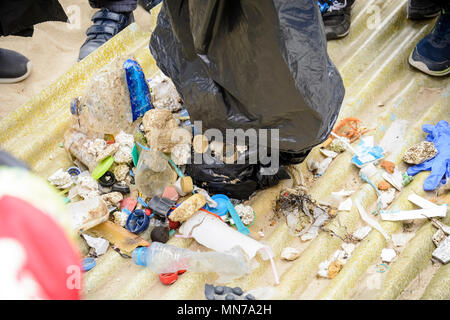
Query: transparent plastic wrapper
{"points": [[153, 173], [163, 258], [87, 213], [105, 104], [76, 143]]}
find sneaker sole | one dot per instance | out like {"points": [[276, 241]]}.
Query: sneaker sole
{"points": [[15, 80], [423, 67], [415, 15], [338, 36]]}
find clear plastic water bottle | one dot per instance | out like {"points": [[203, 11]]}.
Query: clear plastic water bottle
{"points": [[164, 258]]}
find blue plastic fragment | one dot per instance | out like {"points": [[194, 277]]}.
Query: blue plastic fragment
{"points": [[137, 221], [222, 207], [140, 97], [88, 264], [75, 106], [128, 212], [141, 201], [373, 154]]}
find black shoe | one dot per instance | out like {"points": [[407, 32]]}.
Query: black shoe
{"points": [[106, 25], [14, 67], [422, 9], [336, 17], [149, 4]]}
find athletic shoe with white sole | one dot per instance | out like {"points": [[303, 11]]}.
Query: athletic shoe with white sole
{"points": [[422, 9], [336, 17], [432, 54], [14, 67]]}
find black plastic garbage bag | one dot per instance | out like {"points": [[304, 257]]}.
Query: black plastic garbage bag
{"points": [[237, 181], [260, 64], [251, 64]]}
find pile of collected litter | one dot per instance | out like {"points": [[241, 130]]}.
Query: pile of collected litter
{"points": [[127, 190], [305, 216]]}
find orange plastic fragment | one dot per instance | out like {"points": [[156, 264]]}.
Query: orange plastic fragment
{"points": [[388, 166], [118, 236]]}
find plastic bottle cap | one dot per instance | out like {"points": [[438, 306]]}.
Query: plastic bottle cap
{"points": [[168, 278], [107, 180], [101, 169], [139, 256], [74, 171], [221, 208], [88, 264]]}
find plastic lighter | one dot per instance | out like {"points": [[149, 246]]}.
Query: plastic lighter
{"points": [[140, 97]]}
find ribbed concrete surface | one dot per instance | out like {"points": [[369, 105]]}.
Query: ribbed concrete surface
{"points": [[381, 89]]}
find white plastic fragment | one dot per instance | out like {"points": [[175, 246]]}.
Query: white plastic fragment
{"points": [[370, 221], [290, 254], [387, 255], [421, 202], [348, 248], [323, 269], [361, 233], [323, 166], [112, 198], [86, 186], [442, 253], [99, 244], [328, 153], [61, 179], [387, 197], [346, 205], [395, 179], [401, 239], [369, 170], [438, 237], [393, 138], [337, 199], [439, 211], [211, 232]]}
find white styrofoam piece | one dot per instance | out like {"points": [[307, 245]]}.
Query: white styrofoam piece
{"points": [[387, 255], [442, 253]]}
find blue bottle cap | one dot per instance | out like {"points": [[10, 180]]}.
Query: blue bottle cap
{"points": [[88, 264], [221, 208]]}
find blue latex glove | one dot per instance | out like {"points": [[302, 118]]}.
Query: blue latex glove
{"points": [[440, 164]]}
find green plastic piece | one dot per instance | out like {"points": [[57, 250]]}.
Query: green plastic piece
{"points": [[406, 179], [135, 155], [102, 167]]}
